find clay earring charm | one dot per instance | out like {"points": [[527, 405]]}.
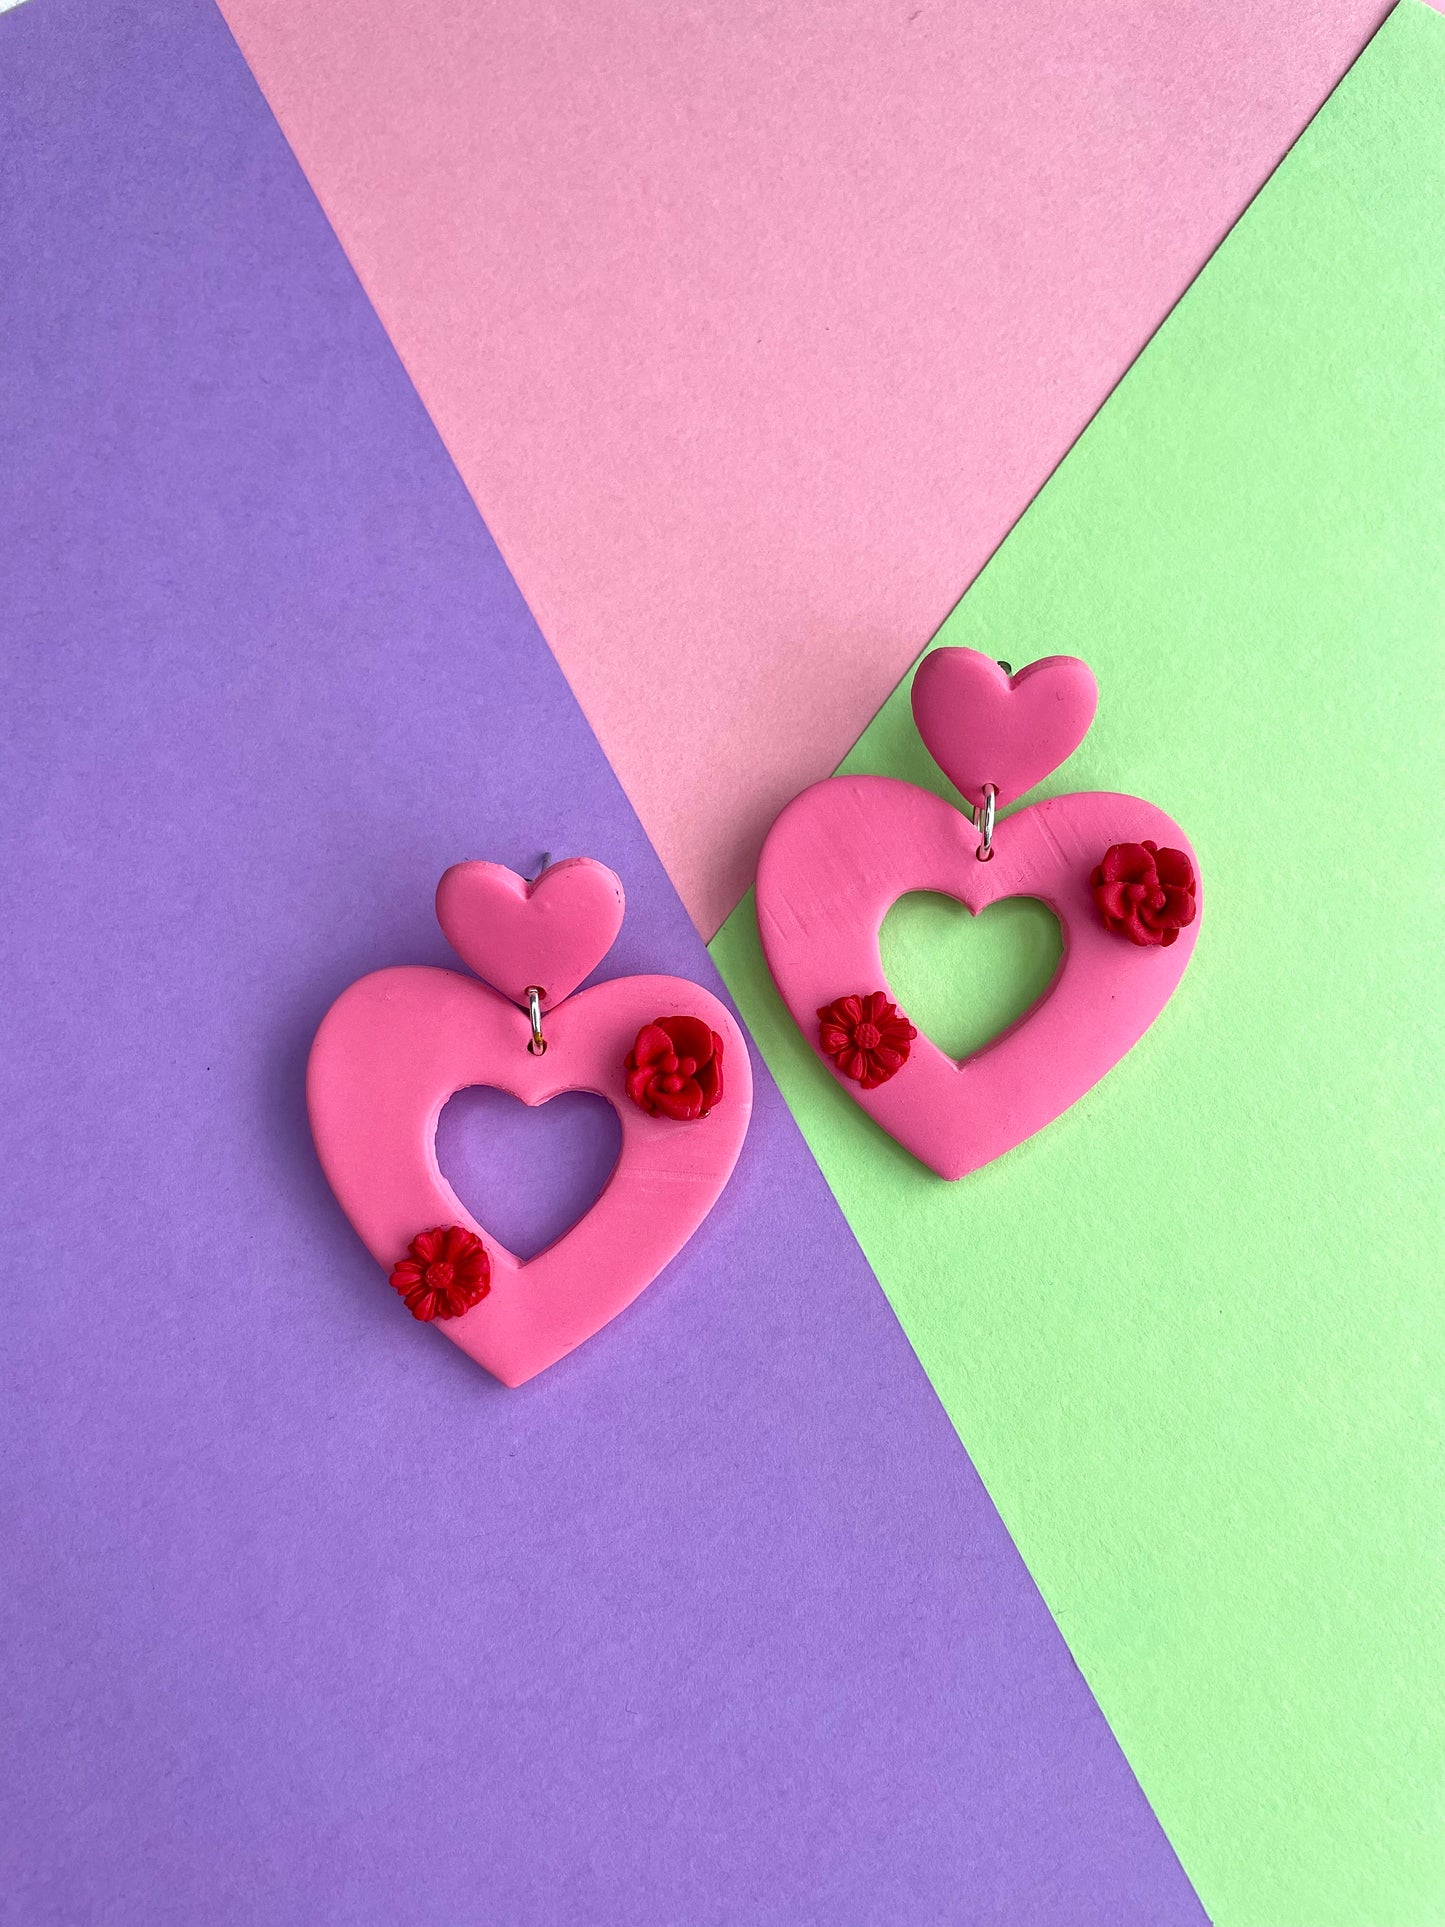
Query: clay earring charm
{"points": [[397, 1044], [1117, 873]]}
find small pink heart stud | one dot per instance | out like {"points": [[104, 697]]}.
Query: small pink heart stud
{"points": [[982, 725], [516, 934]]}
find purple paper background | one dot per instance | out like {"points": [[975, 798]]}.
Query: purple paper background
{"points": [[305, 1620], [527, 1175]]}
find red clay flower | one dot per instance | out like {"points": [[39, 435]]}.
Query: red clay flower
{"points": [[444, 1273], [675, 1068], [1144, 893], [866, 1037]]}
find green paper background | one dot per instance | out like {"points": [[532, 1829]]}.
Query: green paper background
{"points": [[1192, 1333]]}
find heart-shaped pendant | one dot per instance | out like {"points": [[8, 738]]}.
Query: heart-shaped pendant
{"points": [[397, 1044], [824, 890], [1116, 872]]}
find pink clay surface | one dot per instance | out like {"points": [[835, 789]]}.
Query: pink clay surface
{"points": [[397, 1044], [841, 854]]}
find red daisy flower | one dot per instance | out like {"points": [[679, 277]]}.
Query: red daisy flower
{"points": [[866, 1037], [444, 1273], [1144, 893], [675, 1068]]}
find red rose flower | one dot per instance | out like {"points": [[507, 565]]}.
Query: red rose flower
{"points": [[675, 1068], [866, 1037], [444, 1273], [1144, 893]]}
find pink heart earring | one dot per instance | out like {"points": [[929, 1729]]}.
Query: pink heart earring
{"points": [[1118, 874], [397, 1044]]}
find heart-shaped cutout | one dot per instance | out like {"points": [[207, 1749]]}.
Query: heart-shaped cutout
{"points": [[982, 725], [396, 1045], [528, 1172], [550, 933], [845, 850], [964, 979]]}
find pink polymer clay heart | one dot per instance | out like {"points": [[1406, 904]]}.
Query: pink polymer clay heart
{"points": [[982, 725], [397, 1044], [841, 854], [550, 933]]}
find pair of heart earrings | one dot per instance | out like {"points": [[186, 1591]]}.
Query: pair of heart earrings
{"points": [[1117, 873]]}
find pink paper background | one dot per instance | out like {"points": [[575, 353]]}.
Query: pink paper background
{"points": [[753, 328]]}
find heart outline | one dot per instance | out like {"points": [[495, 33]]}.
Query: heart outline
{"points": [[397, 1044], [843, 852]]}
